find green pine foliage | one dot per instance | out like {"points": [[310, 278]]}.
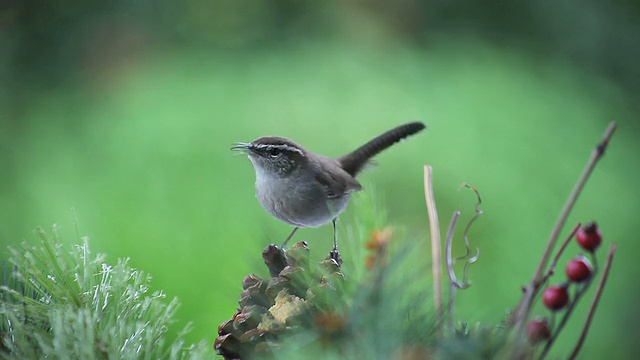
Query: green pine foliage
{"points": [[73, 305]]}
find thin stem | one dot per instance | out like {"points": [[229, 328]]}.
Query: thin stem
{"points": [[552, 267], [452, 297], [453, 282], [532, 288], [474, 258], [594, 303], [466, 230], [448, 244], [566, 315], [436, 255]]}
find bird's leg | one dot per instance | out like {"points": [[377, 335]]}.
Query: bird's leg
{"points": [[290, 236], [334, 253], [335, 234]]}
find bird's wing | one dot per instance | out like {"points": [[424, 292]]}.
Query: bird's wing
{"points": [[336, 181]]}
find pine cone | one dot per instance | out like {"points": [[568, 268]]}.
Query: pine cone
{"points": [[295, 298]]}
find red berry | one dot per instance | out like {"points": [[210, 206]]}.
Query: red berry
{"points": [[579, 269], [538, 330], [555, 297], [589, 237]]}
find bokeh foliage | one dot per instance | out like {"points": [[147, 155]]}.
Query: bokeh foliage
{"points": [[124, 111]]}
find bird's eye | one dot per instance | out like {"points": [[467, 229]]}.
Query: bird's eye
{"points": [[274, 152]]}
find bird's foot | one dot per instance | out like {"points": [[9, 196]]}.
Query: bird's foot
{"points": [[334, 254]]}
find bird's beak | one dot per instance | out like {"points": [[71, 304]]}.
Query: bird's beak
{"points": [[240, 146]]}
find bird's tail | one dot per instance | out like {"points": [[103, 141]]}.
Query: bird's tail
{"points": [[353, 162]]}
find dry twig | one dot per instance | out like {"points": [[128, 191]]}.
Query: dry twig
{"points": [[594, 303], [436, 256], [552, 267], [522, 311]]}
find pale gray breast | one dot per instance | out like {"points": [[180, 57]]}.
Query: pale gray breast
{"points": [[298, 200]]}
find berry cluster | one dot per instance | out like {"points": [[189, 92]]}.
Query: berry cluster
{"points": [[579, 272]]}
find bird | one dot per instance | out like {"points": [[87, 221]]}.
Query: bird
{"points": [[306, 189]]}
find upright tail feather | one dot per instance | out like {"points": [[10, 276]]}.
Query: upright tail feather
{"points": [[353, 162]]}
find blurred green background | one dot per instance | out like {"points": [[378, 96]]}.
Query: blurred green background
{"points": [[124, 111]]}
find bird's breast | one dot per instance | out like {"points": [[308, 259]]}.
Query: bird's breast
{"points": [[298, 201]]}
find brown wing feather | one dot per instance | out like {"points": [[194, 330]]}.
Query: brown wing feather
{"points": [[336, 181]]}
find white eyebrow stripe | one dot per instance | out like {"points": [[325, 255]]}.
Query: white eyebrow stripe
{"points": [[283, 147]]}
